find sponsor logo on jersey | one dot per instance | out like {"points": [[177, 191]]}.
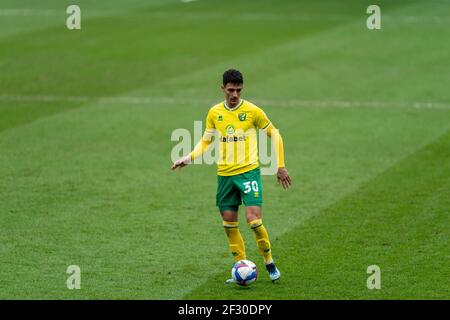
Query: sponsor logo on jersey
{"points": [[233, 139]]}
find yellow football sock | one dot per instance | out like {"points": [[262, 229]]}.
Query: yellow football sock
{"points": [[237, 245], [262, 240]]}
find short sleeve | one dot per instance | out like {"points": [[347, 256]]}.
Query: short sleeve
{"points": [[210, 126], [261, 119], [210, 121]]}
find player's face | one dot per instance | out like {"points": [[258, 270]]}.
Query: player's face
{"points": [[232, 93]]}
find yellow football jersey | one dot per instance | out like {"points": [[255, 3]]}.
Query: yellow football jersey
{"points": [[237, 133]]}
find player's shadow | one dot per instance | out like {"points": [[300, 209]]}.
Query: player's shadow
{"points": [[255, 286]]}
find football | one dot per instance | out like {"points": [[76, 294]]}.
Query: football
{"points": [[244, 272]]}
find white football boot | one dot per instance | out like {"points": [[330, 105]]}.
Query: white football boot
{"points": [[274, 273]]}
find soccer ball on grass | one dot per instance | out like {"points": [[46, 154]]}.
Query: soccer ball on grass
{"points": [[244, 272]]}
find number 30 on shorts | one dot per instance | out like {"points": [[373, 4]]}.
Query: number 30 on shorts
{"points": [[249, 185]]}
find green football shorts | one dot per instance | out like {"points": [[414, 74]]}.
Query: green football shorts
{"points": [[232, 190]]}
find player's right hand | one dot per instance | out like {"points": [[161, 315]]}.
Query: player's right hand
{"points": [[180, 163]]}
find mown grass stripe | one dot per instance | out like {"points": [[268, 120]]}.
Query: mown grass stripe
{"points": [[399, 220]]}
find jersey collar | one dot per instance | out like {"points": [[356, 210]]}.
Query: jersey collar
{"points": [[235, 108]]}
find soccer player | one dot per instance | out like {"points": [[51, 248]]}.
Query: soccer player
{"points": [[234, 123]]}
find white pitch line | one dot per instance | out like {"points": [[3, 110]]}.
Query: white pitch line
{"points": [[30, 12], [202, 101], [407, 19]]}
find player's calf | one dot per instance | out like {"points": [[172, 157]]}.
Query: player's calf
{"points": [[236, 242]]}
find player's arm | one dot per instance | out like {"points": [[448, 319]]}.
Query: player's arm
{"points": [[263, 122], [278, 147], [199, 149], [201, 146]]}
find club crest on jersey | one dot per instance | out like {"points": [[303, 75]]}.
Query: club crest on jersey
{"points": [[219, 118], [242, 116], [230, 129]]}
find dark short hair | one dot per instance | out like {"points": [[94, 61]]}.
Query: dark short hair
{"points": [[233, 76]]}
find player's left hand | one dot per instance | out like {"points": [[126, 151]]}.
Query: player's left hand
{"points": [[283, 178]]}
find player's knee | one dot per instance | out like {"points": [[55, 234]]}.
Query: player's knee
{"points": [[253, 214], [229, 216]]}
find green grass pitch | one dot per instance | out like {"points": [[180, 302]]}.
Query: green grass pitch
{"points": [[85, 127]]}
